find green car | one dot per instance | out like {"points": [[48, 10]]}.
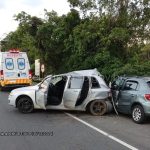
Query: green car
{"points": [[132, 96]]}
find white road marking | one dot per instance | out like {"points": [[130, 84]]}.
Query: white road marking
{"points": [[103, 132]]}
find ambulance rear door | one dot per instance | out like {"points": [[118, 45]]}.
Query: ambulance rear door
{"points": [[23, 66], [9, 66], [15, 65]]}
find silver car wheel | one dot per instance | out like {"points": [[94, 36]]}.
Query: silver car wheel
{"points": [[136, 114], [98, 107]]}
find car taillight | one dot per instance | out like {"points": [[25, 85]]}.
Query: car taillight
{"points": [[30, 74], [147, 97]]}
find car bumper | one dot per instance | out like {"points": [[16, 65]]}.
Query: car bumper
{"points": [[15, 82], [12, 100], [147, 108]]}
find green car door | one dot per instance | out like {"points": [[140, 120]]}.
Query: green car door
{"points": [[127, 96]]}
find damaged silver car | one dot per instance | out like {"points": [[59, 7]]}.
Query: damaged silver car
{"points": [[78, 90]]}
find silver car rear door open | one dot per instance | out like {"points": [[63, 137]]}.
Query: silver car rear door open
{"points": [[72, 91]]}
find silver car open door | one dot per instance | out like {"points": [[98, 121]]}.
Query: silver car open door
{"points": [[41, 94], [72, 91]]}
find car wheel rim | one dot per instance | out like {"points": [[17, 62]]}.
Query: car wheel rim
{"points": [[98, 107], [137, 114], [26, 106]]}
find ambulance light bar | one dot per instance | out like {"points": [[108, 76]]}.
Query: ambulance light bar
{"points": [[14, 51]]}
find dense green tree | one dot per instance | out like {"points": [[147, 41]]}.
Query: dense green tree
{"points": [[111, 35]]}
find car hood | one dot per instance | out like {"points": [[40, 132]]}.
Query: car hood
{"points": [[28, 88]]}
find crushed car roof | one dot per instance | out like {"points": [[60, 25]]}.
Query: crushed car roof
{"points": [[90, 72]]}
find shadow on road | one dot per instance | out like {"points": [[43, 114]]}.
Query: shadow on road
{"points": [[147, 121], [48, 111], [7, 89]]}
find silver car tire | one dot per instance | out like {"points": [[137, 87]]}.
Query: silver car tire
{"points": [[98, 107], [25, 105], [138, 114]]}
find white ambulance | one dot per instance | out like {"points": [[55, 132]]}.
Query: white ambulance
{"points": [[14, 69]]}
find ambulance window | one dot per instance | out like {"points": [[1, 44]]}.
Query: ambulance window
{"points": [[9, 63], [21, 63]]}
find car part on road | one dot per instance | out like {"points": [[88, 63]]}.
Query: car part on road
{"points": [[25, 105], [138, 115]]}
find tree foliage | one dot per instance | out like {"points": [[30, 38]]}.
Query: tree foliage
{"points": [[111, 35]]}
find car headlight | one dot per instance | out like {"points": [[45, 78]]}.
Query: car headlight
{"points": [[11, 94]]}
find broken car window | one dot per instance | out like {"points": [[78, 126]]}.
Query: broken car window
{"points": [[95, 83], [76, 83], [55, 80], [45, 83], [131, 85]]}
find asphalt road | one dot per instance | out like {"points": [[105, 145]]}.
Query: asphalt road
{"points": [[69, 131]]}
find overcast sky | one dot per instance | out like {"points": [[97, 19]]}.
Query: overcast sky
{"points": [[8, 8]]}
